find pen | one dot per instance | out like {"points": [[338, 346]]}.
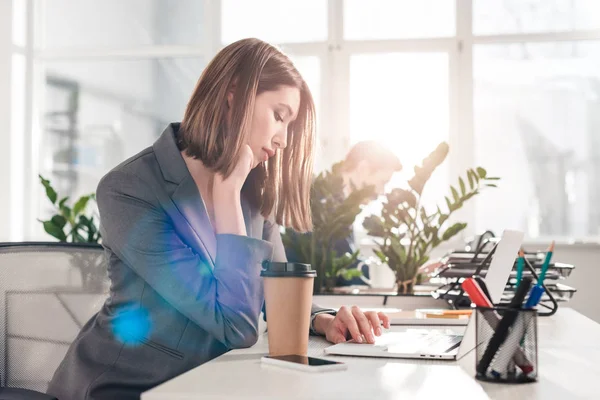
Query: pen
{"points": [[538, 290], [546, 264], [475, 293], [503, 326], [520, 266]]}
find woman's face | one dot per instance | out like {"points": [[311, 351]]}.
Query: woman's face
{"points": [[273, 112]]}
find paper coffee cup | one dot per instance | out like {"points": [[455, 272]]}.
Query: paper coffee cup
{"points": [[288, 299]]}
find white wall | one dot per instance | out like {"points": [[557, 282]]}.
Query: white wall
{"points": [[585, 278]]}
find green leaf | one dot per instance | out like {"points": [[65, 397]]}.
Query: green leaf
{"points": [[380, 255], [491, 185], [59, 221], [351, 273], [92, 230], [448, 203], [492, 178], [471, 179], [481, 172], [400, 251], [463, 190], [66, 212], [62, 202], [54, 231], [453, 230], [50, 192], [443, 218], [454, 193], [475, 175], [424, 216], [80, 205], [78, 238]]}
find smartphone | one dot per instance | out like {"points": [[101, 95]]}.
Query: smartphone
{"points": [[304, 363]]}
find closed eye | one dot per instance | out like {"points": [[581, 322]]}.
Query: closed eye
{"points": [[278, 117]]}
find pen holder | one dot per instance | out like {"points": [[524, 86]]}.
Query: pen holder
{"points": [[506, 345]]}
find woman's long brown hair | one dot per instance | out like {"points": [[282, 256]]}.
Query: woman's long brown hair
{"points": [[249, 67]]}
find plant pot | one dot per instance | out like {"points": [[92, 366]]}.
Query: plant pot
{"points": [[407, 286]]}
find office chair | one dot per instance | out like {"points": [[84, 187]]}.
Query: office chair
{"points": [[48, 291]]}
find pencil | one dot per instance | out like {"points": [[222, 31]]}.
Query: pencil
{"points": [[546, 264], [520, 266]]}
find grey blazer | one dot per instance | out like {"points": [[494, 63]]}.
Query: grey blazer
{"points": [[180, 295]]}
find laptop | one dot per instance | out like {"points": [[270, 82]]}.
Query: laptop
{"points": [[440, 344]]}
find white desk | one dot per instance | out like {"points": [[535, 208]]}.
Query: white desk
{"points": [[569, 367]]}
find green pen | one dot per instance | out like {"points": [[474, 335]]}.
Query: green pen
{"points": [[546, 264], [520, 266]]}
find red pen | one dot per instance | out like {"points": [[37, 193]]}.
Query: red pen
{"points": [[475, 293]]}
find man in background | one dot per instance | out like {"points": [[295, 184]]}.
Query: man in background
{"points": [[367, 163]]}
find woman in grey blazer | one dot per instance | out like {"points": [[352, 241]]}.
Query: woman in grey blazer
{"points": [[187, 223]]}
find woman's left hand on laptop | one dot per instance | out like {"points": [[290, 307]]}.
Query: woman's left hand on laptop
{"points": [[351, 323]]}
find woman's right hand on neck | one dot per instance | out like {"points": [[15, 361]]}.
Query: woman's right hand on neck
{"points": [[238, 176], [226, 194]]}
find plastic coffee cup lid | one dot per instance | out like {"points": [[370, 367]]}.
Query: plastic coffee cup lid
{"points": [[287, 270]]}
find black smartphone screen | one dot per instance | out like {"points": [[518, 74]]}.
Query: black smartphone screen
{"points": [[310, 361]]}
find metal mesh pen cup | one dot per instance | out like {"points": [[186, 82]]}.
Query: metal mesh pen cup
{"points": [[506, 345]]}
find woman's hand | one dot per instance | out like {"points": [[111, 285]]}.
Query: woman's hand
{"points": [[238, 176], [351, 323], [229, 218]]}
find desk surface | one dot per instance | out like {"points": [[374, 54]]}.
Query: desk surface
{"points": [[569, 366]]}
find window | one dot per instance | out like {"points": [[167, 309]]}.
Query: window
{"points": [[116, 24], [274, 20], [98, 113], [17, 148], [310, 69], [515, 90], [398, 19], [536, 126], [392, 97], [493, 17], [19, 22], [112, 75]]}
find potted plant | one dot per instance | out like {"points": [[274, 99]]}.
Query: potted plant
{"points": [[333, 214], [408, 232], [71, 224]]}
